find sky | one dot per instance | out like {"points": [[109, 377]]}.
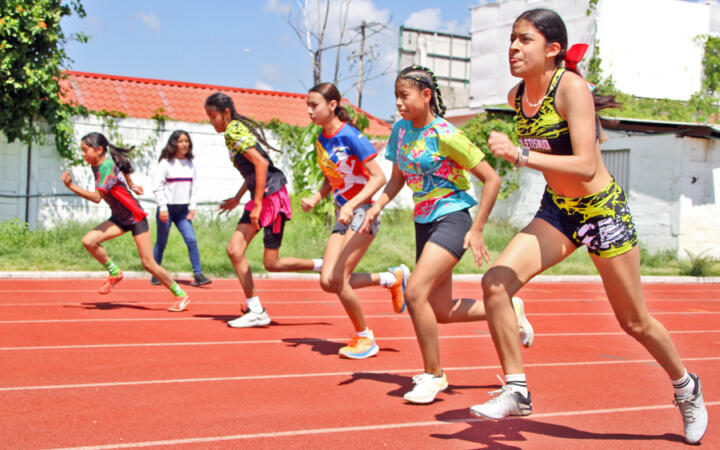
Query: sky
{"points": [[245, 43]]}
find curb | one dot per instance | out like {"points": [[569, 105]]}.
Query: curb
{"points": [[30, 275]]}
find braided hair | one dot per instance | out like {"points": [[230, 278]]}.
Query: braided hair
{"points": [[422, 77], [119, 154], [220, 102]]}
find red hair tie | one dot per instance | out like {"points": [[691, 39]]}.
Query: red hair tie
{"points": [[574, 55]]}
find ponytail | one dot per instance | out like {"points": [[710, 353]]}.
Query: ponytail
{"points": [[119, 155], [220, 102], [423, 78], [330, 92]]}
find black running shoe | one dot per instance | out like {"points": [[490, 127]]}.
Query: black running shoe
{"points": [[154, 281], [200, 279]]}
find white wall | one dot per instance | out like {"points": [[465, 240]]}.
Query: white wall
{"points": [[217, 177], [648, 46]]}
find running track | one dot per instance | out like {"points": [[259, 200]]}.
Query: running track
{"points": [[119, 371]]}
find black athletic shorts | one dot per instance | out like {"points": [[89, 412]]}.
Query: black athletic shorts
{"points": [[447, 231], [136, 228], [270, 240]]}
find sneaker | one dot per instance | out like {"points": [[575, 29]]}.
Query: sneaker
{"points": [[360, 348], [250, 319], [427, 386], [397, 290], [527, 334], [110, 282], [154, 281], [694, 414], [180, 304], [200, 279], [507, 403]]}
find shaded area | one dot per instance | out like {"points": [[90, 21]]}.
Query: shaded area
{"points": [[404, 383], [110, 305]]}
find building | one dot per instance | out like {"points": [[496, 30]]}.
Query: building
{"points": [[145, 113]]}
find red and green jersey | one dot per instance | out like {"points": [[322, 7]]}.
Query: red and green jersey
{"points": [[125, 208]]}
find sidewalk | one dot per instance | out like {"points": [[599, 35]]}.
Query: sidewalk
{"points": [[309, 276]]}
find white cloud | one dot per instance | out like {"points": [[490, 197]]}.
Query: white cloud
{"points": [[426, 19], [150, 21], [262, 85], [271, 72]]}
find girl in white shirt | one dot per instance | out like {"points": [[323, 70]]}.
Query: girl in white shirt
{"points": [[175, 189]]}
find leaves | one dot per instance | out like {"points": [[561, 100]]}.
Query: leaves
{"points": [[32, 55]]}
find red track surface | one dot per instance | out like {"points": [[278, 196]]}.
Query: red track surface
{"points": [[80, 369]]}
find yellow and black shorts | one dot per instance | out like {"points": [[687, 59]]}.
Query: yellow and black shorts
{"points": [[601, 221]]}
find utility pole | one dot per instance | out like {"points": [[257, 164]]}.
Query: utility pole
{"points": [[360, 67]]}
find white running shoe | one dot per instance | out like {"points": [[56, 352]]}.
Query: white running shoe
{"points": [[694, 414], [251, 319], [426, 388], [507, 403], [527, 334]]}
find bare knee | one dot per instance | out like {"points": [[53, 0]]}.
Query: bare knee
{"points": [[442, 316], [495, 288], [149, 264], [272, 264], [331, 284], [88, 242], [234, 251], [637, 327]]}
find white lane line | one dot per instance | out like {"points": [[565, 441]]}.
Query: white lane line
{"points": [[293, 341], [374, 316], [385, 426], [326, 374]]}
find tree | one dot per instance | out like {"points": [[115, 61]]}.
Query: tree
{"points": [[32, 54], [322, 26]]}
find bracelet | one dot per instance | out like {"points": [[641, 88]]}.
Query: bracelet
{"points": [[523, 156]]}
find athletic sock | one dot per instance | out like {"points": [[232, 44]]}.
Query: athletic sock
{"points": [[111, 268], [177, 290], [387, 279], [364, 333], [517, 383], [317, 267], [684, 386], [255, 305]]}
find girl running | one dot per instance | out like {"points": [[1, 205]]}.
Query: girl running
{"points": [[269, 208], [347, 159], [127, 214], [175, 193], [582, 205], [434, 157]]}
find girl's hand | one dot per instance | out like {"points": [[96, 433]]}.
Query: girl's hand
{"points": [[164, 216], [474, 240], [370, 217], [228, 205], [307, 204], [345, 215], [255, 216], [501, 145], [190, 215], [137, 189], [66, 178]]}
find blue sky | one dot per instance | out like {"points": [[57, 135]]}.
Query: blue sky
{"points": [[252, 46], [244, 43]]}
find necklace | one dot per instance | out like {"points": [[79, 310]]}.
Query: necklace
{"points": [[527, 100]]}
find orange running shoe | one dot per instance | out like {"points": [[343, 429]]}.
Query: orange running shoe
{"points": [[360, 347], [110, 282], [180, 304], [397, 290]]}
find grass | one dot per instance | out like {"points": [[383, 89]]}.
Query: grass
{"points": [[305, 235]]}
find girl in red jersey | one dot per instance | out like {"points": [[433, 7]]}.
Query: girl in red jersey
{"points": [[127, 214]]}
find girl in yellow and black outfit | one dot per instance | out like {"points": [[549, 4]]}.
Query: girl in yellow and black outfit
{"points": [[559, 135]]}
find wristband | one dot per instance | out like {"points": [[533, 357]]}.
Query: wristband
{"points": [[523, 156]]}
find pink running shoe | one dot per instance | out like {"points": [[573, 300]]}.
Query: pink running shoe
{"points": [[110, 282]]}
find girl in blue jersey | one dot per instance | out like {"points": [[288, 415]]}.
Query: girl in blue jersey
{"points": [[434, 158], [127, 214], [347, 159], [269, 208], [582, 205]]}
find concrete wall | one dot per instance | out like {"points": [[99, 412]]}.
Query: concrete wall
{"points": [[637, 40], [217, 177]]}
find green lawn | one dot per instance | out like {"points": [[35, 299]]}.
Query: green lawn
{"points": [[305, 236]]}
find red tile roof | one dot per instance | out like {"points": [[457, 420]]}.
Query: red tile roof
{"points": [[143, 98]]}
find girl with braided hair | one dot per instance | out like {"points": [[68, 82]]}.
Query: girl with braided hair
{"points": [[434, 158], [268, 209], [582, 205]]}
